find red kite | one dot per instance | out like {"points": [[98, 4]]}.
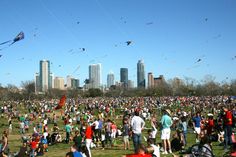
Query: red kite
{"points": [[61, 103]]}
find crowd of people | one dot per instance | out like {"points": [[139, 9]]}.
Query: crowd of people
{"points": [[88, 123]]}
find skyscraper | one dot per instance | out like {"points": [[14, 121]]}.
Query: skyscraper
{"points": [[150, 80], [37, 83], [110, 80], [59, 83], [95, 76], [45, 77], [140, 74], [124, 77]]}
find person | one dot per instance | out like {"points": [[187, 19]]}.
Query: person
{"points": [[88, 137], [77, 140], [141, 152], [178, 141], [227, 125], [126, 134], [184, 128], [68, 132], [137, 125], [196, 125], [5, 148], [23, 151], [155, 149], [152, 132], [75, 152], [166, 123], [33, 147], [40, 149]]}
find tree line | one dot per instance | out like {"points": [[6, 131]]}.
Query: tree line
{"points": [[173, 87]]}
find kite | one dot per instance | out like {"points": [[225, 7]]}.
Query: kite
{"points": [[199, 60], [149, 23], [82, 49], [0, 55], [19, 37], [59, 65], [128, 42], [61, 102], [78, 22], [206, 19]]}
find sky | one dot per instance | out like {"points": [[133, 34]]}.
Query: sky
{"points": [[170, 36]]}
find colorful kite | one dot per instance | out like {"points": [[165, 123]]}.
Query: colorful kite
{"points": [[19, 37]]}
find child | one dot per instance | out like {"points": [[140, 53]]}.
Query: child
{"points": [[152, 133], [154, 148]]}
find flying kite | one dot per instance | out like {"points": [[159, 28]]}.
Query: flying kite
{"points": [[0, 55], [61, 102], [19, 37], [206, 19], [149, 23], [82, 49], [199, 60], [128, 42]]}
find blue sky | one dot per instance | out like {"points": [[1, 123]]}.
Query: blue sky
{"points": [[169, 35]]}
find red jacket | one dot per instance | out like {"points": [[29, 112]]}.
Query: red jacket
{"points": [[89, 133], [228, 118]]}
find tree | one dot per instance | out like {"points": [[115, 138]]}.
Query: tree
{"points": [[28, 89]]}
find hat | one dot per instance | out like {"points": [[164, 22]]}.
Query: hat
{"points": [[168, 111], [210, 115]]}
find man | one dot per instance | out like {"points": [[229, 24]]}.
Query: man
{"points": [[68, 131], [166, 123], [75, 152], [197, 125], [137, 124], [227, 124]]}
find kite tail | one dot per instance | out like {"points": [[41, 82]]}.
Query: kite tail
{"points": [[5, 42], [12, 43]]}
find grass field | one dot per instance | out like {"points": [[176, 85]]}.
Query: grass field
{"points": [[59, 150]]}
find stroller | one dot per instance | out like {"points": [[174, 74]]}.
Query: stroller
{"points": [[199, 150]]}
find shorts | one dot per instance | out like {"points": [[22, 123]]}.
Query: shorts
{"points": [[126, 139], [165, 134], [197, 130]]}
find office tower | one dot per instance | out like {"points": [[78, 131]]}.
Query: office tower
{"points": [[74, 83], [95, 76], [140, 74], [37, 83], [124, 77], [130, 84], [110, 80], [68, 81], [150, 80], [45, 77], [59, 83], [158, 81]]}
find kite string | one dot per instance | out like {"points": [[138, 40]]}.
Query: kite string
{"points": [[108, 15], [59, 22]]}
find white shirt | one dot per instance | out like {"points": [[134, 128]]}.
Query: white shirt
{"points": [[156, 150], [137, 124]]}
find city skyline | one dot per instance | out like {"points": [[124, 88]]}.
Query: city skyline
{"points": [[174, 38]]}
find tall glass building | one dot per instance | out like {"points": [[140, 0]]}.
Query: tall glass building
{"points": [[124, 76], [140, 74], [110, 80], [45, 77], [95, 76]]}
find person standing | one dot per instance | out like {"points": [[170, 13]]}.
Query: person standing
{"points": [[137, 124], [126, 134], [88, 137], [68, 132], [227, 125], [166, 123], [196, 125]]}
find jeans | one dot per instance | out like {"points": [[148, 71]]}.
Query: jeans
{"points": [[67, 137], [137, 139], [227, 135]]}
